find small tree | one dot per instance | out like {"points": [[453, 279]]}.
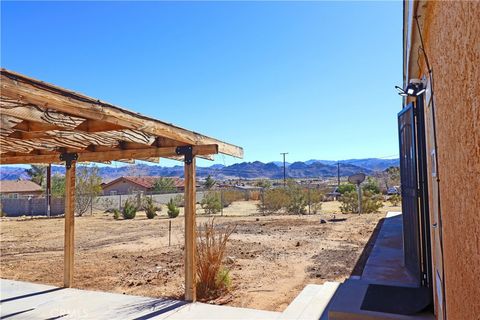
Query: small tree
{"points": [[273, 200], [173, 210], [58, 186], [211, 203], [297, 200], [371, 185], [209, 183], [346, 187], [87, 188], [36, 174], [163, 184]]}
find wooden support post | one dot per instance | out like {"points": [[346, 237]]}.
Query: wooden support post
{"points": [[190, 232], [69, 225], [49, 190]]}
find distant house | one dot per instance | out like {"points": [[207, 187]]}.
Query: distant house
{"points": [[19, 189], [129, 185]]}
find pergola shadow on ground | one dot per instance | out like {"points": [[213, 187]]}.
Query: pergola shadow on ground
{"points": [[45, 124]]}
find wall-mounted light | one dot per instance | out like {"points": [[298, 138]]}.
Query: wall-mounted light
{"points": [[413, 89]]}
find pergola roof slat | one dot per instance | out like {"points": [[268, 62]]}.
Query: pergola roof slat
{"points": [[34, 104]]}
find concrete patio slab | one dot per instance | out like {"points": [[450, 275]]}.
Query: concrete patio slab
{"points": [[24, 300]]}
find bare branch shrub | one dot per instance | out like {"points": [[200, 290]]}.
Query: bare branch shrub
{"points": [[212, 277]]}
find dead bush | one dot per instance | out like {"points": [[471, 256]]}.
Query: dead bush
{"points": [[212, 277]]}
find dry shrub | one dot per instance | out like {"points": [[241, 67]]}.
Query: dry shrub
{"points": [[253, 195], [212, 277], [230, 196]]}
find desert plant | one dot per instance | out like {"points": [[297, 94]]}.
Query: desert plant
{"points": [[370, 202], [179, 200], [346, 187], [211, 203], [149, 207], [297, 200], [164, 185], [129, 210], [116, 214], [230, 196], [273, 200], [87, 188], [173, 210], [395, 200], [371, 185], [213, 278], [209, 182], [315, 198]]}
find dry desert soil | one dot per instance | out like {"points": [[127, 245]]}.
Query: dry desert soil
{"points": [[271, 258]]}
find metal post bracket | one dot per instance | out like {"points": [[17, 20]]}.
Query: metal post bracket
{"points": [[186, 151], [68, 158]]}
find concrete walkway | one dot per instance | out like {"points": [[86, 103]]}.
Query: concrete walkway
{"points": [[25, 300]]}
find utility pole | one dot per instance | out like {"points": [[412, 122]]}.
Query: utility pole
{"points": [[284, 170], [338, 173]]}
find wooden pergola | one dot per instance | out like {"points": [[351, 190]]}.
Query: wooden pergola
{"points": [[45, 124]]}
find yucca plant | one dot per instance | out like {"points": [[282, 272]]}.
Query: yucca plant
{"points": [[213, 278]]}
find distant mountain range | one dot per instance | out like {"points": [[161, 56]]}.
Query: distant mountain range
{"points": [[244, 170]]}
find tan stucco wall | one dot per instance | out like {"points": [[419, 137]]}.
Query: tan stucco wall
{"points": [[123, 187], [452, 36]]}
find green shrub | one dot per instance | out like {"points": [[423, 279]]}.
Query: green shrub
{"points": [[211, 203], [315, 199], [223, 278], [149, 207], [371, 185], [116, 214], [129, 210], [179, 200], [173, 210], [395, 200], [273, 200], [370, 202], [297, 200], [346, 187]]}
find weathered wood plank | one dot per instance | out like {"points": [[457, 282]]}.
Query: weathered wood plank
{"points": [[69, 244], [16, 87], [164, 152], [190, 232]]}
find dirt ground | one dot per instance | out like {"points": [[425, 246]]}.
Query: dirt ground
{"points": [[271, 257]]}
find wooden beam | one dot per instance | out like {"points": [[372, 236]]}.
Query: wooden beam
{"points": [[98, 126], [69, 244], [190, 232], [164, 152], [22, 89], [34, 126]]}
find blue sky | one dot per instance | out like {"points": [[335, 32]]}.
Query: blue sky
{"points": [[314, 79]]}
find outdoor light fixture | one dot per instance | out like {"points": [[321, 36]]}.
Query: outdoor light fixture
{"points": [[414, 88]]}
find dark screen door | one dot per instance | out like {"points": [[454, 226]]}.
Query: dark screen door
{"points": [[409, 188]]}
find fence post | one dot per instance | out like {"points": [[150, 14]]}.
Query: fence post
{"points": [[221, 201], [120, 202], [309, 202], [169, 232]]}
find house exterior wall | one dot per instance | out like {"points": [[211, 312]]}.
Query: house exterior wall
{"points": [[21, 194], [451, 32], [123, 187]]}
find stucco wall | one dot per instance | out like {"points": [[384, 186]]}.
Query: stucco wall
{"points": [[123, 187], [452, 37]]}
